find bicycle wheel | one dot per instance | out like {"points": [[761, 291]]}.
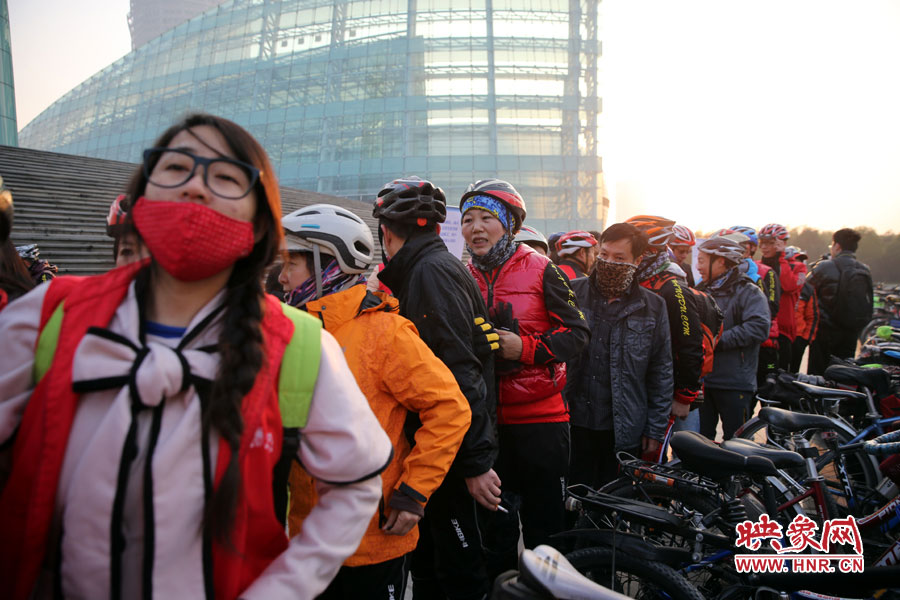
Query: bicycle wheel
{"points": [[869, 330], [632, 576]]}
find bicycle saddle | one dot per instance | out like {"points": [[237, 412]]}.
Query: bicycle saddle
{"points": [[825, 392], [877, 380], [700, 455], [626, 507], [791, 421], [546, 569], [783, 459]]}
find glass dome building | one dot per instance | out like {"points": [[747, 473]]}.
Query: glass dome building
{"points": [[348, 94]]}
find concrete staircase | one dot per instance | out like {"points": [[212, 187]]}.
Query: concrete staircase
{"points": [[61, 202]]}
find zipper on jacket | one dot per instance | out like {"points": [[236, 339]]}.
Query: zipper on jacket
{"points": [[490, 281]]}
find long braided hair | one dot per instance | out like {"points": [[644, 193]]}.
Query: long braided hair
{"points": [[240, 343]]}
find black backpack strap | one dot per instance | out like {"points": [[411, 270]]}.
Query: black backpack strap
{"points": [[290, 444]]}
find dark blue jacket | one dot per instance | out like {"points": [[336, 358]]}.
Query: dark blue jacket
{"points": [[746, 326]]}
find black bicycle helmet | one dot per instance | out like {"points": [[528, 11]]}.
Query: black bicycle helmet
{"points": [[411, 200]]}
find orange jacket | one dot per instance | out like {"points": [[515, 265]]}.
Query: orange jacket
{"points": [[807, 315], [398, 374]]}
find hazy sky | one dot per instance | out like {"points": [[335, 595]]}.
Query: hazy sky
{"points": [[716, 112]]}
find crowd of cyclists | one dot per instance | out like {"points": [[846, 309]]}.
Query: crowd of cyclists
{"points": [[258, 406]]}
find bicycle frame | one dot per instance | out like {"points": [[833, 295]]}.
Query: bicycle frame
{"points": [[884, 520], [844, 488]]}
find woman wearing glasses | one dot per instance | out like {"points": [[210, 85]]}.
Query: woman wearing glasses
{"points": [[144, 410]]}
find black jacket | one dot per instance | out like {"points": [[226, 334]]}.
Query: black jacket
{"points": [[684, 328], [437, 293], [825, 278]]}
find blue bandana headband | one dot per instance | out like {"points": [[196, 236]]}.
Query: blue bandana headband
{"points": [[491, 205]]}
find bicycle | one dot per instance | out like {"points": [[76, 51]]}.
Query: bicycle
{"points": [[677, 505], [851, 475], [711, 553], [886, 311]]}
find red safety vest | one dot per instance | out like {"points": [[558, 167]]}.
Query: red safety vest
{"points": [[532, 394]]}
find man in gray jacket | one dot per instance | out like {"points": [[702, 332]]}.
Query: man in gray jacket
{"points": [[731, 385], [620, 389]]}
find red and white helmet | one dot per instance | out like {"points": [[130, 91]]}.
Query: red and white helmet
{"points": [[682, 236], [571, 242], [501, 190], [774, 230]]}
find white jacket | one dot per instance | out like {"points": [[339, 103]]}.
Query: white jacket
{"points": [[341, 442]]}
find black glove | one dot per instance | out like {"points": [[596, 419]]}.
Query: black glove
{"points": [[486, 338], [502, 317]]}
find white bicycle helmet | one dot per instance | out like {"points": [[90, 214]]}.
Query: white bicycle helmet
{"points": [[332, 230], [530, 234]]}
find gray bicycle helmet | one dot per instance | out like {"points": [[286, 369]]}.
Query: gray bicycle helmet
{"points": [[530, 235], [724, 246]]}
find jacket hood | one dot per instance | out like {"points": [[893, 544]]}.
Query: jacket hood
{"points": [[336, 309]]}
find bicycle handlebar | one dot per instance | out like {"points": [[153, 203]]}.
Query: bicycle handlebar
{"points": [[851, 447], [884, 445]]}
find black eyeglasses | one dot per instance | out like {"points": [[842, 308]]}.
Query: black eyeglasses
{"points": [[225, 177]]}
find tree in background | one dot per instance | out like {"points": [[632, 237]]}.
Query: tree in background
{"points": [[881, 252]]}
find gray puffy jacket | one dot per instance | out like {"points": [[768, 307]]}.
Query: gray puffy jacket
{"points": [[746, 326]]}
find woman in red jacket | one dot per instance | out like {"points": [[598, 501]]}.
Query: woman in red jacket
{"points": [[540, 327]]}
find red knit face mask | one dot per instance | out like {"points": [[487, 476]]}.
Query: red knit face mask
{"points": [[189, 240]]}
